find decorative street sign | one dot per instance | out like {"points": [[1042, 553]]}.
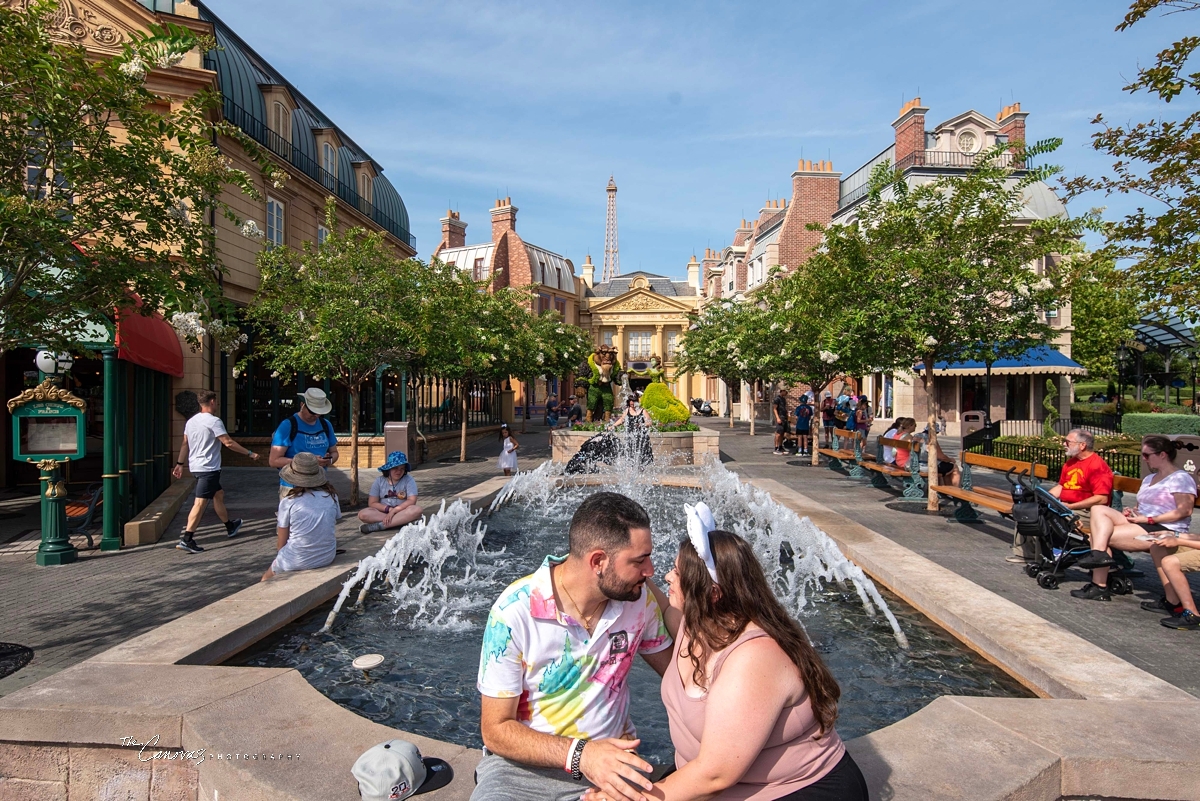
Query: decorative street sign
{"points": [[48, 429]]}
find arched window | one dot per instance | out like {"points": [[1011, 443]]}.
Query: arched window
{"points": [[364, 187], [281, 121], [329, 165]]}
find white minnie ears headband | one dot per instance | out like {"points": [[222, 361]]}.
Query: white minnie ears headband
{"points": [[700, 521]]}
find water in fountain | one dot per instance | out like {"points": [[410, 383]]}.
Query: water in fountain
{"points": [[428, 591]]}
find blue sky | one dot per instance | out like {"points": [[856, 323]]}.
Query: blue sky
{"points": [[699, 109]]}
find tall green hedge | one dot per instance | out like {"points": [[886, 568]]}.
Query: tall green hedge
{"points": [[1139, 425]]}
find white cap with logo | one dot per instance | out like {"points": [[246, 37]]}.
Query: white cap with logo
{"points": [[395, 770]]}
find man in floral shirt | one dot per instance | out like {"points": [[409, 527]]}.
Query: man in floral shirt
{"points": [[557, 651]]}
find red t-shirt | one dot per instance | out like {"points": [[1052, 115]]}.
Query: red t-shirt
{"points": [[1083, 478]]}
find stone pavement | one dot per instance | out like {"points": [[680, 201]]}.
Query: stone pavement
{"points": [[977, 552], [70, 613]]}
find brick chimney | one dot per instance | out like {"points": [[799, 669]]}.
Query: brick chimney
{"points": [[910, 134], [504, 218], [589, 272], [712, 260], [1012, 122], [815, 191], [693, 268], [454, 231]]}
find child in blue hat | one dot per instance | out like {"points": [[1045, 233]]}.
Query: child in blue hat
{"points": [[392, 501]]}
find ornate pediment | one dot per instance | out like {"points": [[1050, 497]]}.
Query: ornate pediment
{"points": [[82, 24], [641, 300]]}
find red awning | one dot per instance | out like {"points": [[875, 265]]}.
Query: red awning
{"points": [[149, 341]]}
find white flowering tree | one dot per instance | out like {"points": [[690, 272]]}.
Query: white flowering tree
{"points": [[548, 346], [344, 310], [951, 269], [105, 189], [724, 340]]}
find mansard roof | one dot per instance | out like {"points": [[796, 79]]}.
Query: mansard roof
{"points": [[659, 284]]}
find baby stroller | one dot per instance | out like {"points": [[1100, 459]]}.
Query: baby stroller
{"points": [[1060, 542]]}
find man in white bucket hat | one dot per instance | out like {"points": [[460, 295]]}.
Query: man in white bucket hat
{"points": [[307, 431]]}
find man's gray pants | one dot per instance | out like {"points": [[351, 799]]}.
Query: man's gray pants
{"points": [[500, 779]]}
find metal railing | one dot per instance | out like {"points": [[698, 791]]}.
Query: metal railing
{"points": [[436, 403], [1127, 464], [260, 132], [952, 159]]}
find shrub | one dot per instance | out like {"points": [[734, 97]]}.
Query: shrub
{"points": [[679, 427], [664, 407], [1139, 425]]}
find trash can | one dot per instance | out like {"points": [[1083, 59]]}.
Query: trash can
{"points": [[971, 422], [401, 437]]}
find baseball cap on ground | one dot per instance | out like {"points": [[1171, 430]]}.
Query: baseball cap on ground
{"points": [[395, 770]]}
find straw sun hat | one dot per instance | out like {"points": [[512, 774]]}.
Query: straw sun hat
{"points": [[304, 471]]}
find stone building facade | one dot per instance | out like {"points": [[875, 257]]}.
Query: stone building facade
{"points": [[509, 261]]}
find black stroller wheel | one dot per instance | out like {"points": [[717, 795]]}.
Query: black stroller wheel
{"points": [[1120, 585], [1048, 581], [1032, 570]]}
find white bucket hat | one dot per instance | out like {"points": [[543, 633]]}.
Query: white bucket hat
{"points": [[395, 770], [316, 400]]}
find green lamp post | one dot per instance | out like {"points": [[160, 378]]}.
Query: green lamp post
{"points": [[48, 430]]}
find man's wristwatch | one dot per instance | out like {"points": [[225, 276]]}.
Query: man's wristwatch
{"points": [[576, 758]]}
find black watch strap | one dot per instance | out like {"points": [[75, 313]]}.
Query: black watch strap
{"points": [[576, 758]]}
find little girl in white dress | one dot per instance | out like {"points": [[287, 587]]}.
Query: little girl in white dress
{"points": [[508, 451]]}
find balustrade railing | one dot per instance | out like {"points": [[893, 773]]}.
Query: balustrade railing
{"points": [[262, 133]]}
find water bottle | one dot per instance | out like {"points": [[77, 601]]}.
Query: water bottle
{"points": [[1018, 493]]}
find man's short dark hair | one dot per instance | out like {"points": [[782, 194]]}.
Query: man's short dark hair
{"points": [[205, 397], [603, 522]]}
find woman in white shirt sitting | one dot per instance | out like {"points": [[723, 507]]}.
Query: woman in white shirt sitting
{"points": [[1164, 506], [306, 519]]}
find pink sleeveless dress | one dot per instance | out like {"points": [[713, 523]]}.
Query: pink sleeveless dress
{"points": [[795, 755]]}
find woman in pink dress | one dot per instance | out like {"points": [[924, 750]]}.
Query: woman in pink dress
{"points": [[750, 703]]}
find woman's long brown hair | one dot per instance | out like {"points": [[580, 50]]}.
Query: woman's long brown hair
{"points": [[745, 597]]}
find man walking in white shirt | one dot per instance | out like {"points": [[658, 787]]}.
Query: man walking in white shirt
{"points": [[203, 437]]}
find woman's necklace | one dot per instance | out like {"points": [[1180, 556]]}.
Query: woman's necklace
{"points": [[587, 619]]}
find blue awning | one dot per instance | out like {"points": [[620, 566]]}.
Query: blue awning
{"points": [[1041, 359]]}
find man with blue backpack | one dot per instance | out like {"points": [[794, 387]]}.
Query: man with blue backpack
{"points": [[307, 431]]}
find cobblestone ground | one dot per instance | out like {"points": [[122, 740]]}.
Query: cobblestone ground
{"points": [[977, 552], [70, 613]]}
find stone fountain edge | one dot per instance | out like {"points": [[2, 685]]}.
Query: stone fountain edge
{"points": [[1087, 736]]}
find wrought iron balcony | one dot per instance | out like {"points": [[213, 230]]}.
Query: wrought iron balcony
{"points": [[260, 132]]}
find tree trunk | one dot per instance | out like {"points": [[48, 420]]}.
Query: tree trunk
{"points": [[462, 447], [815, 426], [931, 450], [753, 407], [354, 401], [729, 395], [525, 413]]}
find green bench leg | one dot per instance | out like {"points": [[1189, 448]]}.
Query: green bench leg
{"points": [[879, 480], [965, 513]]}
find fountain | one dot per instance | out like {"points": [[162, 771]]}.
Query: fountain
{"points": [[423, 600]]}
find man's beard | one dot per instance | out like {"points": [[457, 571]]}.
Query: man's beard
{"points": [[616, 591]]}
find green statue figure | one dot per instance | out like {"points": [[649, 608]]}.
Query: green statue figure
{"points": [[606, 372]]}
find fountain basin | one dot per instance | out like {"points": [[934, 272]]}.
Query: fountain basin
{"points": [[66, 727], [670, 448]]}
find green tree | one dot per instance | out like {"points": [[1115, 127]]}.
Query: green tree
{"points": [[718, 342], [344, 309], [1104, 309], [818, 341], [103, 193], [549, 347], [1157, 160], [948, 270]]}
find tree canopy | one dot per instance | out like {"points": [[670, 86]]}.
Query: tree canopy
{"points": [[105, 189], [1156, 161]]}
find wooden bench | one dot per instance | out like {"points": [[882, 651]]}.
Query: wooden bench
{"points": [[967, 496], [839, 453], [1120, 484], [911, 474], [81, 512]]}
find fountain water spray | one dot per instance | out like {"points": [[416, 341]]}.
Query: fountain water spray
{"points": [[437, 569]]}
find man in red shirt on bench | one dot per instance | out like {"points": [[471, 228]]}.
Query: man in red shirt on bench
{"points": [[1086, 481]]}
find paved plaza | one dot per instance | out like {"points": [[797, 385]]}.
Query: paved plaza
{"points": [[69, 614]]}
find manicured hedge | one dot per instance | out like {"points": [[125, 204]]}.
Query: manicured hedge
{"points": [[1139, 425], [664, 407]]}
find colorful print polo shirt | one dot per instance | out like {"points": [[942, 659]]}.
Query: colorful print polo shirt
{"points": [[570, 684]]}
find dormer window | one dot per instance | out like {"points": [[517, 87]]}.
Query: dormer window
{"points": [[364, 187], [329, 164], [281, 121]]}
